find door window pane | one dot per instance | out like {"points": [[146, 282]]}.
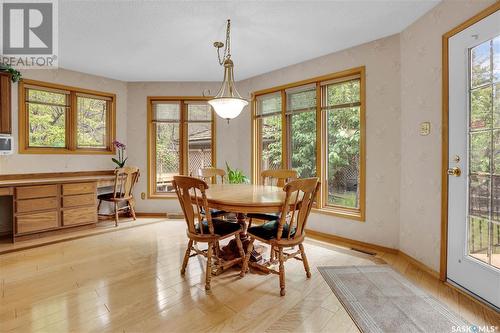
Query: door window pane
{"points": [[484, 154], [480, 65], [480, 149], [92, 122], [481, 105], [496, 59]]}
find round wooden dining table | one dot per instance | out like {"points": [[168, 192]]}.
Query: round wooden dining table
{"points": [[243, 199]]}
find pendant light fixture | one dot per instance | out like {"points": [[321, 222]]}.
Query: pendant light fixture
{"points": [[228, 103]]}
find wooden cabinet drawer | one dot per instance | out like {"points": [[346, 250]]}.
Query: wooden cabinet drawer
{"points": [[36, 222], [80, 215], [79, 200], [79, 188], [6, 191], [40, 191], [33, 205]]}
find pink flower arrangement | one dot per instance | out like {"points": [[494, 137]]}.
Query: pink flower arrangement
{"points": [[120, 147]]}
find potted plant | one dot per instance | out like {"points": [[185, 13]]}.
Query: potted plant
{"points": [[15, 74], [236, 176], [120, 161]]}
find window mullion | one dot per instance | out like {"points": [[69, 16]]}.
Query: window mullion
{"points": [[319, 144], [71, 123], [284, 136], [183, 169]]}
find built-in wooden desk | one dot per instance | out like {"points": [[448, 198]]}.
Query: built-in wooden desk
{"points": [[50, 203]]}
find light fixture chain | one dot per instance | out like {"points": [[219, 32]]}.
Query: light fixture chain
{"points": [[227, 46]]}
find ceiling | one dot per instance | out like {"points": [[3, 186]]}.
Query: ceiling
{"points": [[172, 40]]}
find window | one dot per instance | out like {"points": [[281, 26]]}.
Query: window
{"points": [[341, 108], [316, 127], [301, 130], [181, 140], [269, 129], [57, 119]]}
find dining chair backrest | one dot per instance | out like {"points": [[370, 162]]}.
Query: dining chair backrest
{"points": [[210, 174], [278, 177], [125, 180], [299, 199], [192, 198]]}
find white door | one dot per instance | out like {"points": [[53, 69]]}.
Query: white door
{"points": [[474, 159]]}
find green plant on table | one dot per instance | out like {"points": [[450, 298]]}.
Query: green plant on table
{"points": [[236, 176]]}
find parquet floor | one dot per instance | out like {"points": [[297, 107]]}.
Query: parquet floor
{"points": [[129, 281]]}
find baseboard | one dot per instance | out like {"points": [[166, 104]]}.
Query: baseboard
{"points": [[147, 214], [419, 264], [355, 244], [318, 235]]}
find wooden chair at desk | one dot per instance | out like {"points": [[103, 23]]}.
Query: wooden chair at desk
{"points": [[125, 179]]}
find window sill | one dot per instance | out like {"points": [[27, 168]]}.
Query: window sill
{"points": [[63, 151], [350, 214]]}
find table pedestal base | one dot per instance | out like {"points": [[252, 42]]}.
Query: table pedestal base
{"points": [[230, 251]]}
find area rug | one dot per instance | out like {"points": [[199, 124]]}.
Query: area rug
{"points": [[379, 299]]}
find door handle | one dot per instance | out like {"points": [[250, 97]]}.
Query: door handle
{"points": [[454, 172]]}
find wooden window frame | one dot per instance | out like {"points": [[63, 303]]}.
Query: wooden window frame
{"points": [[357, 214], [71, 120], [183, 140]]}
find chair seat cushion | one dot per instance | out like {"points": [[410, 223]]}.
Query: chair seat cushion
{"points": [[110, 197], [265, 217], [269, 230], [221, 227], [214, 212]]}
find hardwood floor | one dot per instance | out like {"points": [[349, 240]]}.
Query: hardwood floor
{"points": [[129, 281]]}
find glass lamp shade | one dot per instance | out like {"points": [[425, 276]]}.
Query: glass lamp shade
{"points": [[228, 103], [228, 108]]}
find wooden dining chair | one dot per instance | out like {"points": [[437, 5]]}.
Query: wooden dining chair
{"points": [[286, 231], [278, 177], [211, 174], [204, 229], [125, 180]]}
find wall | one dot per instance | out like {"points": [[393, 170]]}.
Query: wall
{"points": [[29, 163], [420, 208]]}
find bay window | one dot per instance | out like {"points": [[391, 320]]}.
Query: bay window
{"points": [[316, 127]]}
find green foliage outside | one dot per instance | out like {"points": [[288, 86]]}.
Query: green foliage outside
{"points": [[47, 121], [343, 135]]}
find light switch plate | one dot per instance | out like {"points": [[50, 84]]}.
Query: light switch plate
{"points": [[425, 128]]}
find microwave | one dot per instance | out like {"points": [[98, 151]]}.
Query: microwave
{"points": [[6, 144]]}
